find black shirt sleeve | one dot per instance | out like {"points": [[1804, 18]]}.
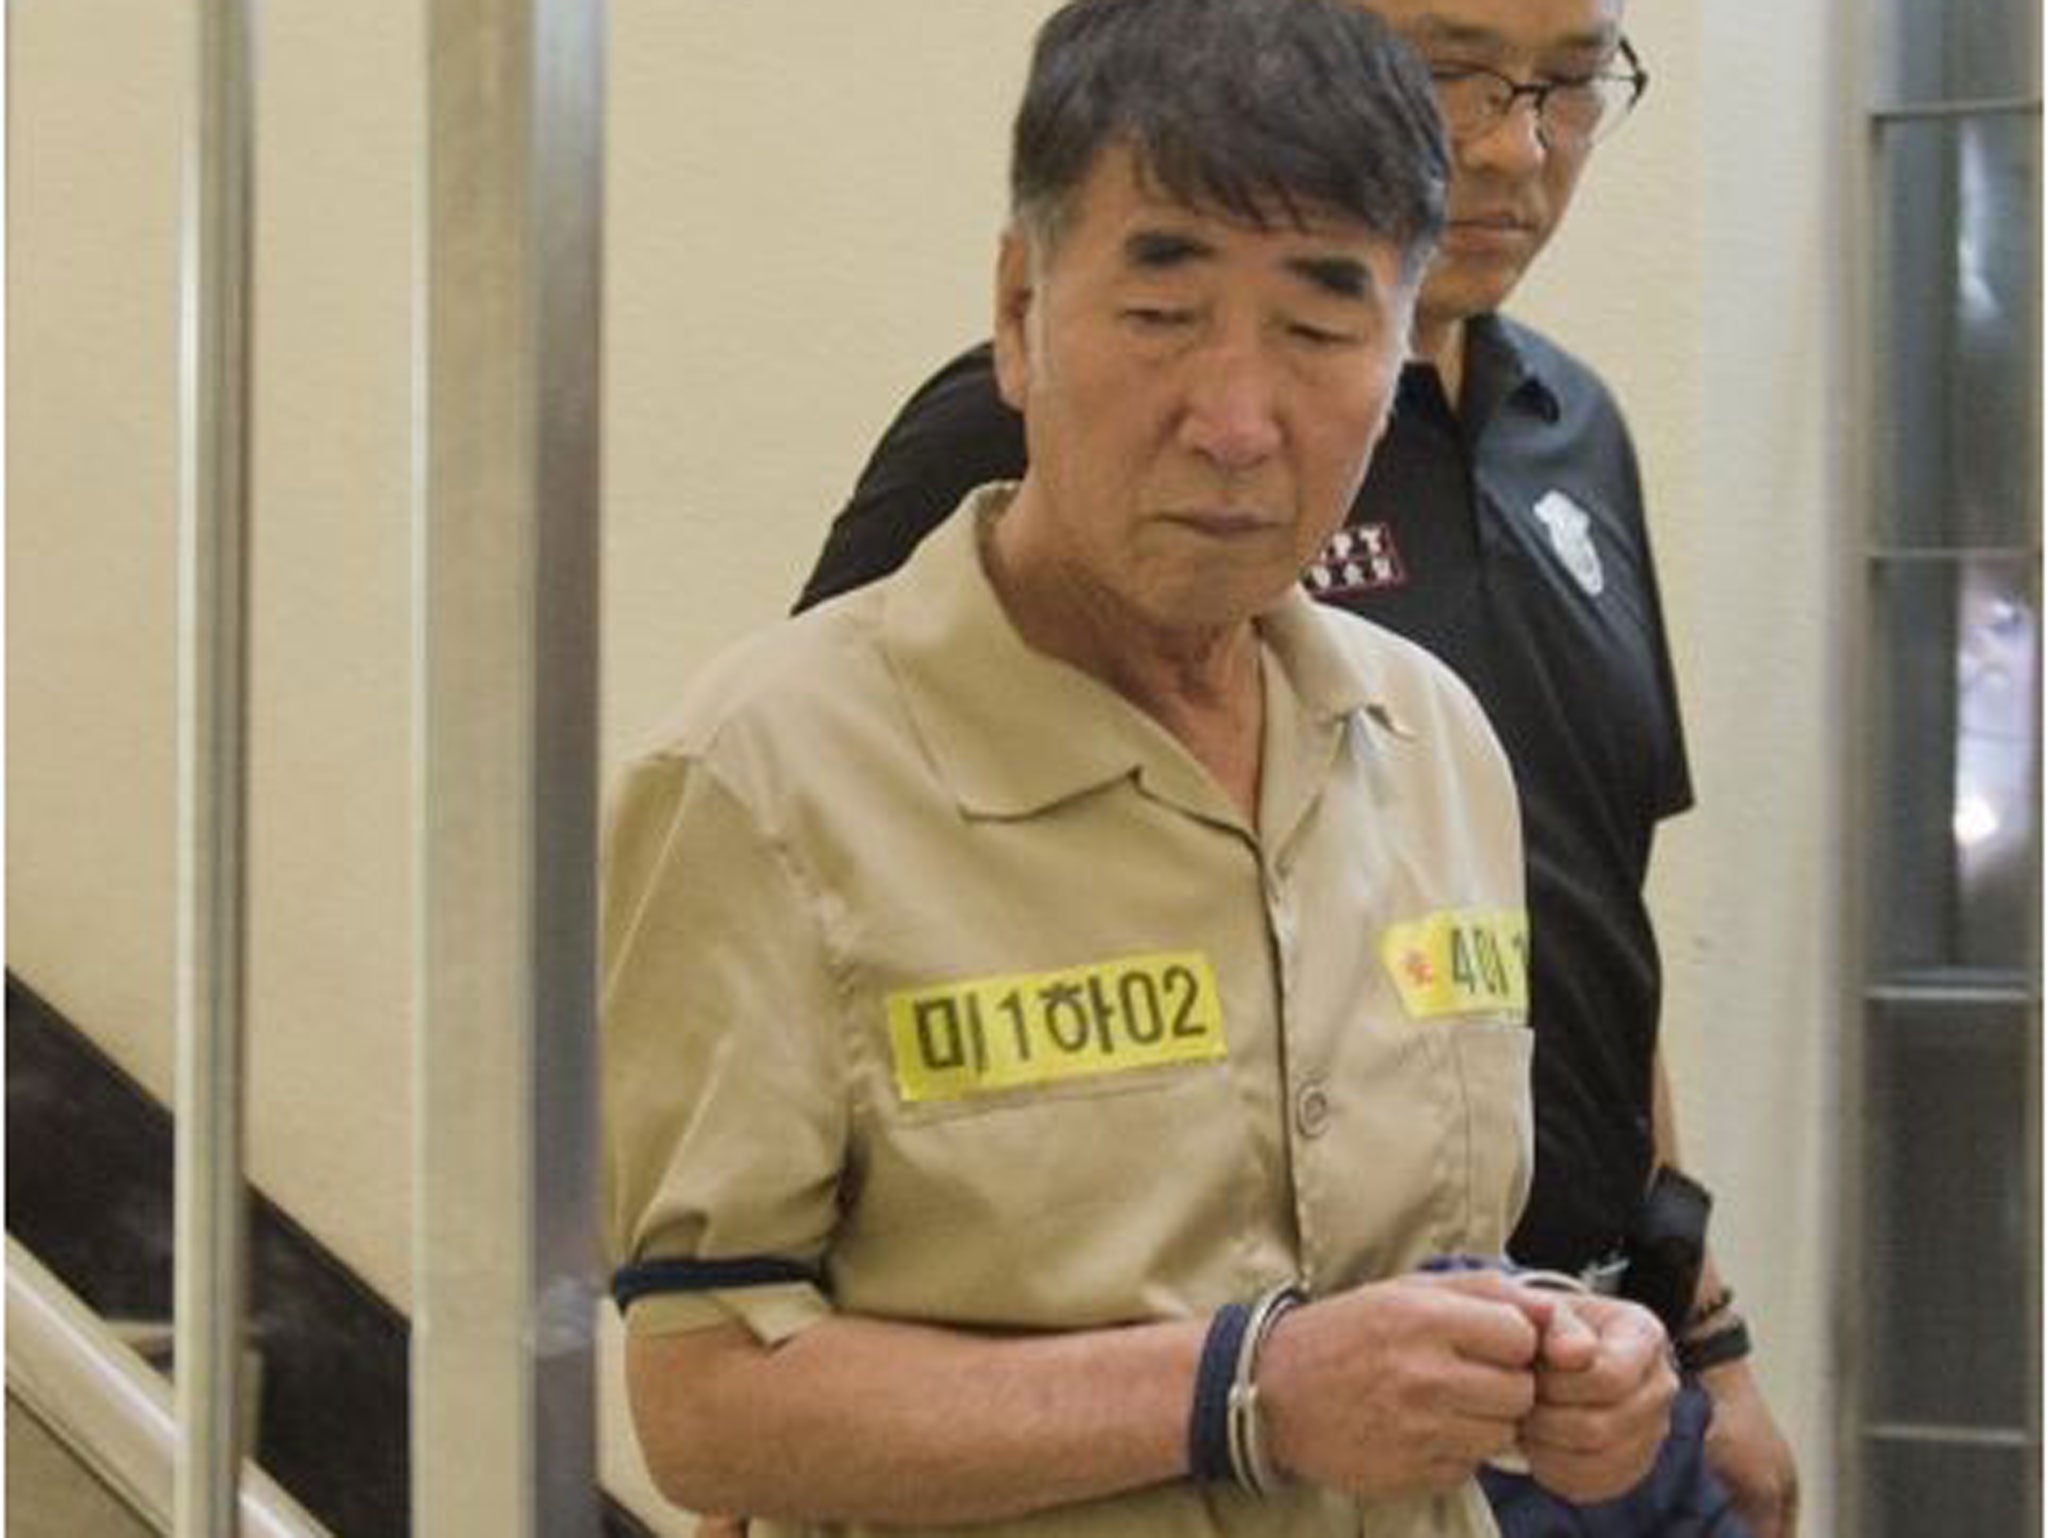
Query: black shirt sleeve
{"points": [[954, 434]]}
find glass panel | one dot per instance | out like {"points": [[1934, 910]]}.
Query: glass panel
{"points": [[1920, 1490], [1949, 1244], [1959, 457], [1954, 801], [1962, 50]]}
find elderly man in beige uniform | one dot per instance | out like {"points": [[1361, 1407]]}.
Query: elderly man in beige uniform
{"points": [[1062, 1001]]}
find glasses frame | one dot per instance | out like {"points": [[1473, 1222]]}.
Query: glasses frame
{"points": [[1634, 76]]}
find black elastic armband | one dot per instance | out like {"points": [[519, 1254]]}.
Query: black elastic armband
{"points": [[1209, 1457], [648, 1277]]}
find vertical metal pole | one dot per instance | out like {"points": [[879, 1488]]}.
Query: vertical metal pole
{"points": [[212, 778], [504, 1255]]}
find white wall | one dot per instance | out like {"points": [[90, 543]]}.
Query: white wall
{"points": [[99, 111], [804, 198], [804, 204], [92, 481]]}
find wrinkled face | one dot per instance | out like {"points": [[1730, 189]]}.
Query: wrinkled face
{"points": [[1200, 396], [1508, 189]]}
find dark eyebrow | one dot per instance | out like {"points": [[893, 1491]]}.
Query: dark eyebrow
{"points": [[1159, 250], [1433, 29], [1164, 248], [1343, 276]]}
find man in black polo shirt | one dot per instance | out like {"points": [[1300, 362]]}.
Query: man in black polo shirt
{"points": [[1501, 526]]}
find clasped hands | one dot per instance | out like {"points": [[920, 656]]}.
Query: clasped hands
{"points": [[1411, 1384]]}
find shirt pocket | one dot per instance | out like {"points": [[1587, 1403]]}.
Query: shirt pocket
{"points": [[1049, 1147], [1493, 1063], [1059, 1206], [970, 1045]]}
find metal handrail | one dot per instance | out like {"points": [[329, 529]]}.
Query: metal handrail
{"points": [[505, 1282], [110, 1408], [210, 1260]]}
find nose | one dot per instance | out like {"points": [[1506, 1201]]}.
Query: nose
{"points": [[1513, 144], [1232, 411]]}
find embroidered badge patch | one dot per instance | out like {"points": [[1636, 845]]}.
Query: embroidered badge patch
{"points": [[982, 1035], [1359, 559], [1571, 536], [1460, 962]]}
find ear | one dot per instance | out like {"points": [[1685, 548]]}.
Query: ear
{"points": [[1015, 295]]}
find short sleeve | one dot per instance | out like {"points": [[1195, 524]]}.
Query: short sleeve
{"points": [[723, 1085]]}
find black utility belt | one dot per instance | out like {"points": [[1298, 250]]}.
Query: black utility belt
{"points": [[1666, 1245], [1656, 1261]]}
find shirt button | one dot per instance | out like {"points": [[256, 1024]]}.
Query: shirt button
{"points": [[1311, 1110]]}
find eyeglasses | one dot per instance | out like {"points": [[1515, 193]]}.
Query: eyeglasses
{"points": [[1571, 112]]}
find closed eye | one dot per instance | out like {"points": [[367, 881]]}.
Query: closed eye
{"points": [[1450, 71], [1318, 336], [1157, 317]]}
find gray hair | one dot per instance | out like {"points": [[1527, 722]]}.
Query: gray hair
{"points": [[1262, 110]]}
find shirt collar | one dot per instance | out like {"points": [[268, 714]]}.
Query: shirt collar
{"points": [[1010, 730], [1013, 731], [1498, 369], [1327, 680]]}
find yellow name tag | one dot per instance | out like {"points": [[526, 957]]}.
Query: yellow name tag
{"points": [[1463, 962], [986, 1034]]}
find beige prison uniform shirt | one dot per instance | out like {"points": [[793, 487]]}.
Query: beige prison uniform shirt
{"points": [[934, 962]]}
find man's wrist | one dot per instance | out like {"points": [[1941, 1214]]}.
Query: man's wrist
{"points": [[1226, 1428], [1725, 1342], [1707, 1312]]}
